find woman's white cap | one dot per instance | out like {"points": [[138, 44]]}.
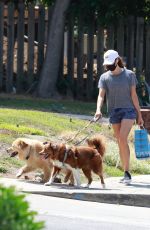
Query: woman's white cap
{"points": [[110, 57]]}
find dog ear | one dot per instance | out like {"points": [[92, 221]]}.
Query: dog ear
{"points": [[22, 144]]}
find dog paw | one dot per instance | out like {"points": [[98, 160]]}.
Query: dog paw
{"points": [[47, 183], [26, 177], [18, 175], [78, 186], [71, 184], [103, 186], [39, 179], [57, 180], [87, 186]]}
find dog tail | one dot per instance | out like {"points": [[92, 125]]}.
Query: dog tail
{"points": [[97, 142]]}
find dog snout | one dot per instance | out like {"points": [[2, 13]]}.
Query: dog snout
{"points": [[9, 150], [44, 155]]}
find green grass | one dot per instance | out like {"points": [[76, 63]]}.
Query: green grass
{"points": [[59, 106], [7, 138], [112, 157], [6, 163], [21, 116], [113, 171], [38, 123], [3, 169]]}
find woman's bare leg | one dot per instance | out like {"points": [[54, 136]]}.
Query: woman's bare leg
{"points": [[126, 126], [121, 131], [116, 129]]}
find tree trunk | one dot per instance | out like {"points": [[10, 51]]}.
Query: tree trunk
{"points": [[50, 69]]}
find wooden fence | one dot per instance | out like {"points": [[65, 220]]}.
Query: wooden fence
{"points": [[23, 39]]}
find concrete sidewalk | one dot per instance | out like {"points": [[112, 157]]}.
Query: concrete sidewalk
{"points": [[135, 194]]}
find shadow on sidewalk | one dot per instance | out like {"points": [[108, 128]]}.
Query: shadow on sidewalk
{"points": [[140, 185], [66, 186]]}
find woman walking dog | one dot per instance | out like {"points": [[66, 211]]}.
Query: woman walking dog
{"points": [[119, 85]]}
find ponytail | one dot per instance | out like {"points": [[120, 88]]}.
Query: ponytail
{"points": [[120, 62]]}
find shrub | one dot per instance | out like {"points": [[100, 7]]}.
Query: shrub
{"points": [[15, 213]]}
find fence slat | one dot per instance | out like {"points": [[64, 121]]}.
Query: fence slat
{"points": [[130, 42], [120, 37], [80, 63], [70, 53], [110, 38], [100, 50], [31, 35], [41, 37], [10, 51], [139, 46], [90, 49], [20, 51], [1, 42]]}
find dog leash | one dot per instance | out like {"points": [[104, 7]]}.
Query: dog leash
{"points": [[79, 142], [94, 120], [69, 140]]}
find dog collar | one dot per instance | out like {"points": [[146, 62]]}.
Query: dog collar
{"points": [[66, 154]]}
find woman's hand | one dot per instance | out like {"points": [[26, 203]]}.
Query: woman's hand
{"points": [[140, 121], [97, 116]]}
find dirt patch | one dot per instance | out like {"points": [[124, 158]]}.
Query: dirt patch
{"points": [[11, 171], [6, 131], [3, 147]]}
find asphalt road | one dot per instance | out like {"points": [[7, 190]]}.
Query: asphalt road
{"points": [[65, 214]]}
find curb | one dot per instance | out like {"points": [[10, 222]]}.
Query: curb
{"points": [[135, 194], [141, 200]]}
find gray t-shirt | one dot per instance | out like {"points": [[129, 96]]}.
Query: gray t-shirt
{"points": [[118, 88]]}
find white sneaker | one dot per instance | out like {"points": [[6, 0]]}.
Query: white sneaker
{"points": [[127, 178]]}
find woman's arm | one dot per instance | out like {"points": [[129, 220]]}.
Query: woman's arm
{"points": [[100, 101], [136, 105]]}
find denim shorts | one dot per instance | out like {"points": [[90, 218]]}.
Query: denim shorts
{"points": [[117, 115]]}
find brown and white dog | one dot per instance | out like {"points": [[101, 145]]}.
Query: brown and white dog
{"points": [[88, 158], [28, 150]]}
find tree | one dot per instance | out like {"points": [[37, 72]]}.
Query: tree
{"points": [[50, 69], [108, 12]]}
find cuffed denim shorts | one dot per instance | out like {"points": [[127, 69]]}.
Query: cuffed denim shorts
{"points": [[117, 115]]}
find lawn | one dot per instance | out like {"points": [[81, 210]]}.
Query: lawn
{"points": [[59, 106], [39, 118]]}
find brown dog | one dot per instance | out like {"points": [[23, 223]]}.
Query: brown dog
{"points": [[88, 158], [28, 150]]}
